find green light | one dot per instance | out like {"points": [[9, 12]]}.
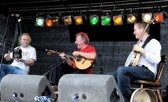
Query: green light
{"points": [[39, 22], [94, 20], [105, 20]]}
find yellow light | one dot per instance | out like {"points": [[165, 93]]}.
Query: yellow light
{"points": [[118, 20], [78, 20], [131, 19]]}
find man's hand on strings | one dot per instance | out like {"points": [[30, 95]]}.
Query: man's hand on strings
{"points": [[62, 55], [138, 48]]}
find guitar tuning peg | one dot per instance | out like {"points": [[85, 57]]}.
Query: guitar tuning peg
{"points": [[46, 50]]}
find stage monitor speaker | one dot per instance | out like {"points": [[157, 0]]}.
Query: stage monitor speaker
{"points": [[23, 88], [88, 88]]}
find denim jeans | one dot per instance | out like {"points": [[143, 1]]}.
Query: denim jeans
{"points": [[125, 75], [8, 69]]}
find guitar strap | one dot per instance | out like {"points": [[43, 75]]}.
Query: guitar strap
{"points": [[146, 41], [129, 58]]}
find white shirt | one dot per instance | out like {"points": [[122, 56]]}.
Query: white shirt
{"points": [[27, 53], [152, 57]]}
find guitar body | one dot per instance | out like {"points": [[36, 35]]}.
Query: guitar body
{"points": [[80, 62], [83, 63], [133, 59]]}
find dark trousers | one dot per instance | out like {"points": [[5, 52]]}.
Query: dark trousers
{"points": [[125, 75], [61, 70]]}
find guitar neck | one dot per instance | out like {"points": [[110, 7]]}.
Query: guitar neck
{"points": [[143, 33], [66, 55], [80, 62], [69, 56]]}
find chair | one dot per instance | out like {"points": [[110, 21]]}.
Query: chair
{"points": [[156, 84]]}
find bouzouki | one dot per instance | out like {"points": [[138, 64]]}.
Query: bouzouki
{"points": [[80, 62], [134, 56]]}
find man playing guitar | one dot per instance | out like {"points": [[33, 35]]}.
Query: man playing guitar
{"points": [[146, 68], [84, 50]]}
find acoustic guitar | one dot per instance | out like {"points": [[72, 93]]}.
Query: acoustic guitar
{"points": [[134, 56], [80, 62]]}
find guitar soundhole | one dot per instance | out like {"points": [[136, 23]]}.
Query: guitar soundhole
{"points": [[78, 59]]}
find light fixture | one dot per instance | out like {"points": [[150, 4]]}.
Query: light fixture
{"points": [[55, 21], [67, 20], [131, 18], [159, 17], [39, 22], [49, 22], [105, 20], [146, 17], [94, 20], [78, 20], [118, 20]]}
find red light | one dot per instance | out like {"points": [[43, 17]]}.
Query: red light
{"points": [[159, 17], [49, 22]]}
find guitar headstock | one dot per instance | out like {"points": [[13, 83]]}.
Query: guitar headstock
{"points": [[151, 21], [50, 52]]}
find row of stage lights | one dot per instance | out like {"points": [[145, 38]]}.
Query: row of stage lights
{"points": [[96, 20]]}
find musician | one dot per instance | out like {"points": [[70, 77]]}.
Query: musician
{"points": [[84, 50], [146, 67], [21, 63]]}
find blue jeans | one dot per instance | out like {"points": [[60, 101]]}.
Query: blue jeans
{"points": [[125, 75], [8, 69]]}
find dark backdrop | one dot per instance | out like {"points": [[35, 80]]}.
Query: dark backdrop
{"points": [[111, 33]]}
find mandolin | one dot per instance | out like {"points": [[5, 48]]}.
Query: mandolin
{"points": [[80, 62]]}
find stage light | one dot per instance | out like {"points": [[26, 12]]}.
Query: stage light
{"points": [[55, 21], [49, 22], [131, 18], [118, 20], [39, 22], [67, 20], [105, 20], [146, 17], [78, 20], [159, 17], [94, 20]]}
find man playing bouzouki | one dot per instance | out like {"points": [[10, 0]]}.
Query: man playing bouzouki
{"points": [[146, 68], [84, 51]]}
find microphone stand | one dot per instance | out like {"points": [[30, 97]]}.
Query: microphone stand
{"points": [[3, 43], [3, 50], [52, 68], [101, 69]]}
